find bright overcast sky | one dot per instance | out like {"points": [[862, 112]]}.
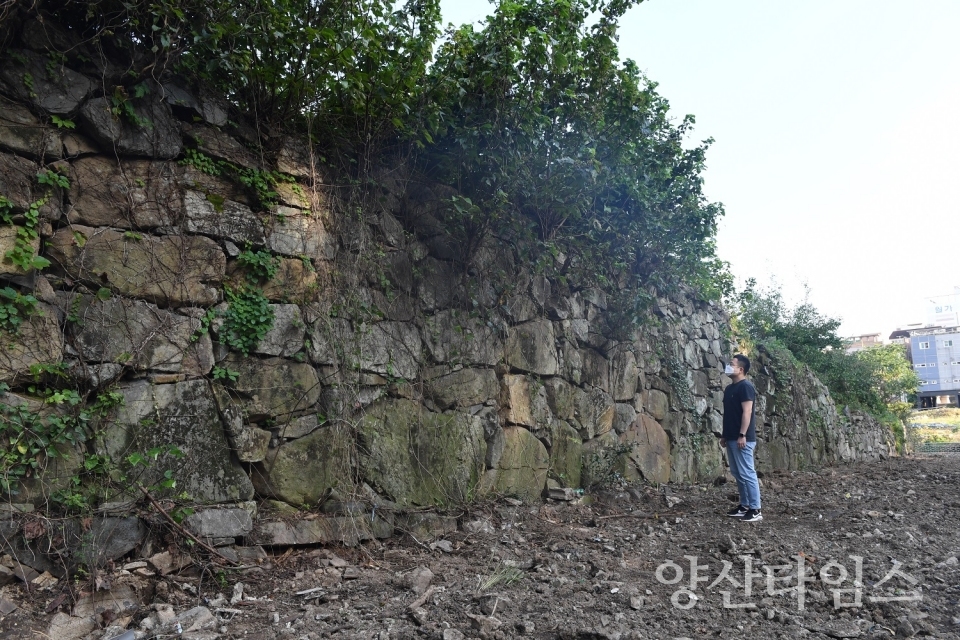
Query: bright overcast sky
{"points": [[837, 129]]}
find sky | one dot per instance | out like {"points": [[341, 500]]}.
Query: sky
{"points": [[836, 129]]}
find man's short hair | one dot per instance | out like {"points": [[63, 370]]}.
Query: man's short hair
{"points": [[744, 362]]}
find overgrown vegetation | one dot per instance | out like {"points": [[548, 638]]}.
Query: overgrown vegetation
{"points": [[877, 380], [553, 142]]}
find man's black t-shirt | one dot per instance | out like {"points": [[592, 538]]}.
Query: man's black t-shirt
{"points": [[733, 397]]}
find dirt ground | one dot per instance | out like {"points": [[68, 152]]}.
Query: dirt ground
{"points": [[613, 565]]}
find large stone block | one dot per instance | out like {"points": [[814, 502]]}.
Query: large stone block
{"points": [[601, 459], [330, 340], [436, 286], [300, 233], [24, 134], [388, 348], [136, 334], [30, 77], [347, 530], [649, 449], [522, 471], [417, 457], [561, 397], [183, 415], [18, 184], [220, 523], [454, 337], [39, 341], [167, 270], [524, 402], [212, 215], [531, 347], [215, 143], [273, 387], [285, 337], [594, 414], [299, 472], [157, 135], [8, 242], [462, 388], [566, 455], [296, 280], [130, 194], [624, 374], [657, 403]]}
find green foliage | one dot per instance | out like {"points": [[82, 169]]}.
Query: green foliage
{"points": [[201, 162], [248, 318], [28, 438], [873, 380], [63, 123], [22, 253], [122, 106], [262, 183], [53, 178], [260, 265], [224, 374], [15, 308]]}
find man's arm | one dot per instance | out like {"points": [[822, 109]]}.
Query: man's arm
{"points": [[747, 414]]}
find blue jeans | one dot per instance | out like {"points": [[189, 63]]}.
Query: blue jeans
{"points": [[741, 466]]}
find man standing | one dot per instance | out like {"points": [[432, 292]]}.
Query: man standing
{"points": [[740, 438]]}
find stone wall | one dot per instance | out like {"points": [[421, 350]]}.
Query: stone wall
{"points": [[391, 376]]}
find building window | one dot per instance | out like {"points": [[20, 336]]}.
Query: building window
{"points": [[948, 343], [920, 366], [924, 345]]}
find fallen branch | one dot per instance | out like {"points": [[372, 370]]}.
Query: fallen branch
{"points": [[419, 601], [181, 530]]}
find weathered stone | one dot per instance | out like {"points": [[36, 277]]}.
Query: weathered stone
{"points": [[212, 215], [389, 348], [656, 403], [454, 337], [76, 145], [530, 347], [168, 270], [201, 102], [295, 281], [330, 340], [273, 387], [24, 134], [496, 442], [299, 427], [566, 455], [137, 334], [594, 413], [8, 238], [650, 449], [66, 627], [296, 195], [18, 184], [285, 337], [251, 444], [417, 457], [217, 144], [29, 77], [183, 415], [295, 158], [600, 458], [523, 466], [462, 388], [220, 523], [596, 369], [624, 375], [426, 526], [131, 194], [524, 401], [108, 539], [157, 136], [436, 286], [300, 233], [561, 397], [348, 530], [39, 341], [623, 417], [300, 471]]}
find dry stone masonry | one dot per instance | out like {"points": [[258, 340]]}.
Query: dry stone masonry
{"points": [[391, 378]]}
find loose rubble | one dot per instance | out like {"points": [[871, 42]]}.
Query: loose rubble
{"points": [[613, 565]]}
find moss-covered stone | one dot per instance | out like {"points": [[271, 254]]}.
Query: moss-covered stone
{"points": [[273, 388], [417, 457], [300, 471], [566, 455], [183, 415], [523, 465]]}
